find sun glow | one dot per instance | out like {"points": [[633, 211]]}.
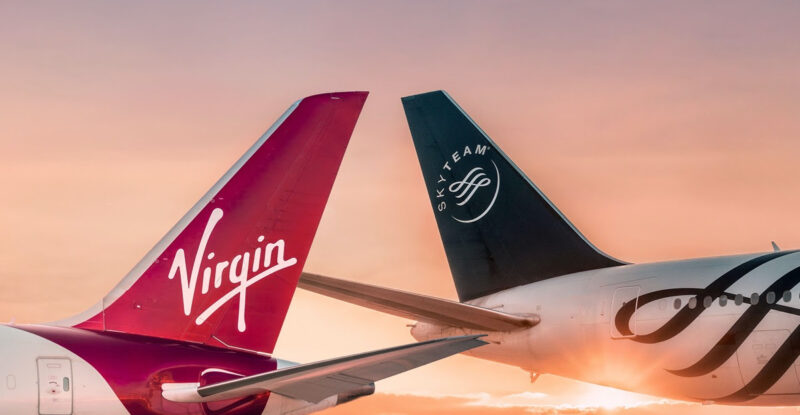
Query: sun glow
{"points": [[609, 398]]}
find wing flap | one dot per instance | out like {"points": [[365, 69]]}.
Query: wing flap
{"points": [[314, 382], [415, 306]]}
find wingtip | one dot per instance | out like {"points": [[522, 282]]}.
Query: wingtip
{"points": [[478, 338], [466, 338]]}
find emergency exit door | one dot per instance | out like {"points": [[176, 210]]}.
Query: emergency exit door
{"points": [[756, 352], [55, 386], [622, 296]]}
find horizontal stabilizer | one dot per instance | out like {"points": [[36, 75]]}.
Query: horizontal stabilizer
{"points": [[415, 306], [314, 382]]}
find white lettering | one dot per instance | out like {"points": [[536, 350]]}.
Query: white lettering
{"points": [[466, 188], [188, 283], [239, 269]]}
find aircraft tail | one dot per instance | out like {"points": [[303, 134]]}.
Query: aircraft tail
{"points": [[226, 273], [499, 230]]}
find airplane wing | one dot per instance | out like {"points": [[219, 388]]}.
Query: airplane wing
{"points": [[314, 382], [415, 306]]}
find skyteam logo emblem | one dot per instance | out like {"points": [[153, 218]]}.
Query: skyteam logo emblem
{"points": [[468, 184]]}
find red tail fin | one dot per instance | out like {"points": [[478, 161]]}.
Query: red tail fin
{"points": [[225, 274]]}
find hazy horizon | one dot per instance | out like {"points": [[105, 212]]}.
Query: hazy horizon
{"points": [[663, 131]]}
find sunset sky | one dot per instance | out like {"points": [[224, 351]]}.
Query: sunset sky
{"points": [[662, 130]]}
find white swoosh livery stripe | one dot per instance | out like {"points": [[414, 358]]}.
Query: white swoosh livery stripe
{"points": [[494, 199]]}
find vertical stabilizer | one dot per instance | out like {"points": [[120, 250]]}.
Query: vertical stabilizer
{"points": [[499, 231], [225, 274]]}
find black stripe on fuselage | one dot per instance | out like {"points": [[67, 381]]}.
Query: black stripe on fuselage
{"points": [[732, 340], [773, 370], [686, 316], [737, 334]]}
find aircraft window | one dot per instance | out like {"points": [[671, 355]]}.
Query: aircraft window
{"points": [[66, 384], [739, 299], [770, 297], [754, 299], [11, 382], [677, 303], [787, 296], [692, 303], [707, 301], [723, 301]]}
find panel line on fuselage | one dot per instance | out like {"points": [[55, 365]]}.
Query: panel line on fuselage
{"points": [[777, 365]]}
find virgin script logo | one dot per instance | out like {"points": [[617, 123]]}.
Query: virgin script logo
{"points": [[238, 272]]}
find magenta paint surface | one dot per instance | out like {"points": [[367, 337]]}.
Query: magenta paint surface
{"points": [[135, 367], [279, 194]]}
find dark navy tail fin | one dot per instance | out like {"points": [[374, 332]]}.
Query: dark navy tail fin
{"points": [[499, 231]]}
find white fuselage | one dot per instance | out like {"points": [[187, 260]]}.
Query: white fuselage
{"points": [[39, 376], [25, 386], [723, 353]]}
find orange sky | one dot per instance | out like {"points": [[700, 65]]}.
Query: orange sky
{"points": [[662, 132]]}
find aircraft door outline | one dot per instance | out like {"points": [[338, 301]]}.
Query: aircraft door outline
{"points": [[55, 385], [621, 296]]}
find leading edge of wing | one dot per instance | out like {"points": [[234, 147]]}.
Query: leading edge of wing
{"points": [[314, 382], [415, 306]]}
